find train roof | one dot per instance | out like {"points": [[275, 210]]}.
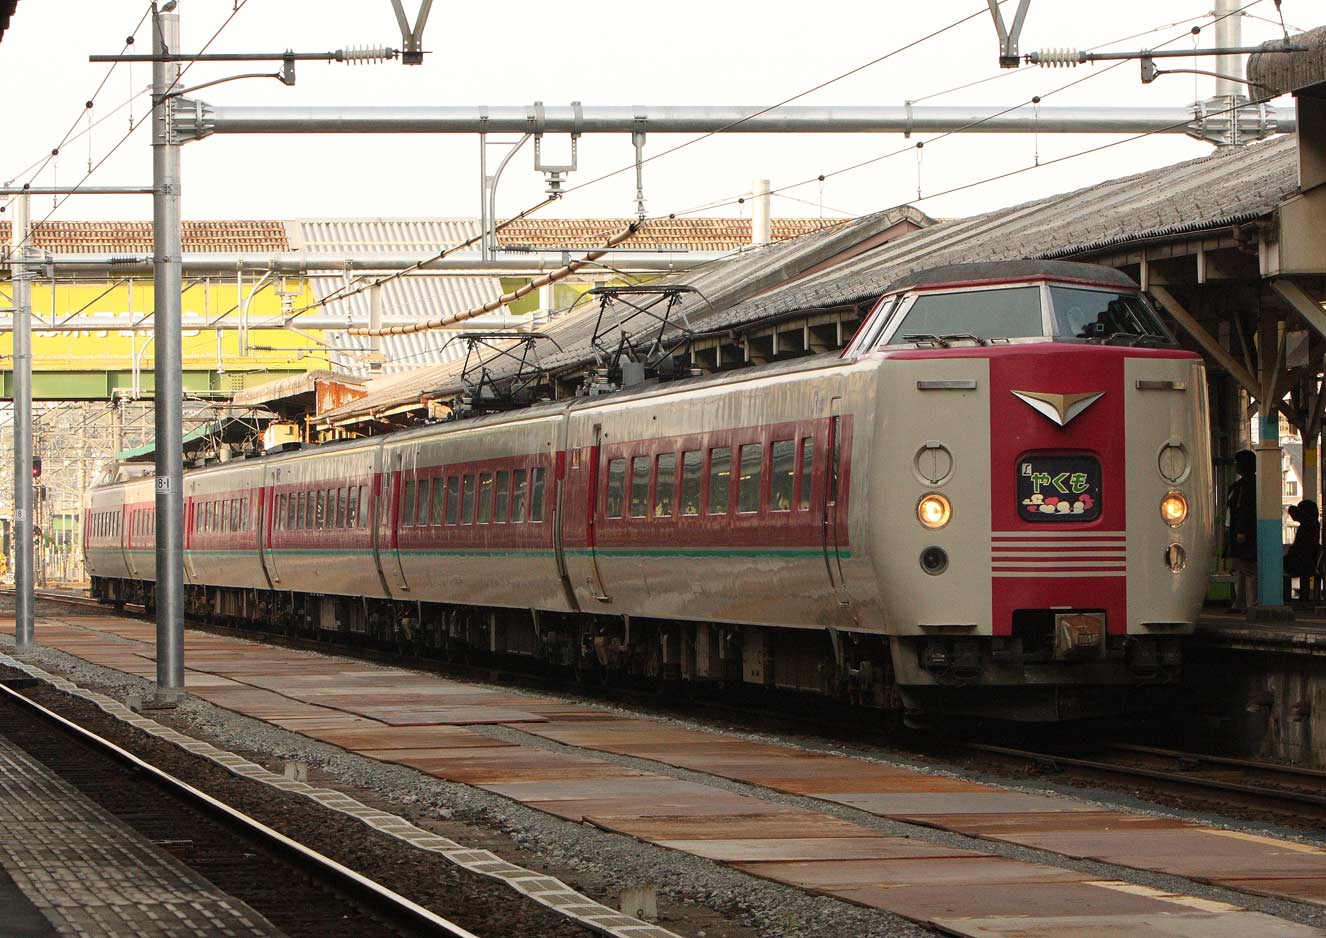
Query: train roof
{"points": [[1006, 271]]}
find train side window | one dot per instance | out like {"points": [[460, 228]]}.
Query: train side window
{"points": [[485, 497], [467, 500], [616, 487], [244, 515], [439, 499], [407, 510], [665, 488], [807, 472], [342, 506], [234, 514], [352, 507], [748, 483], [720, 476], [835, 449], [502, 497], [453, 499], [290, 502], [692, 465], [518, 495], [782, 475], [639, 486], [536, 493], [425, 496], [363, 506], [321, 518], [310, 510]]}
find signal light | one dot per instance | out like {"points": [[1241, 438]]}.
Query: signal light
{"points": [[36, 467]]}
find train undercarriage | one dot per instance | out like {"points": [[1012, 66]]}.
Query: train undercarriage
{"points": [[916, 679]]}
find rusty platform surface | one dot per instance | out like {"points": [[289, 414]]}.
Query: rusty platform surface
{"points": [[436, 725]]}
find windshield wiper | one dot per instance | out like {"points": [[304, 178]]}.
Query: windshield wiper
{"points": [[957, 336], [919, 337]]}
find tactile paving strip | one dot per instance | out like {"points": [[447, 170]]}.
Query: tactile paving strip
{"points": [[545, 890], [91, 876]]}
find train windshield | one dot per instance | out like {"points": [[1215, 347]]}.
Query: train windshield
{"points": [[1008, 313], [1104, 316]]}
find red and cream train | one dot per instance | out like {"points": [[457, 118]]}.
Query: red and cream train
{"points": [[995, 502]]}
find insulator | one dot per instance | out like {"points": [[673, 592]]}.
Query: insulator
{"points": [[1058, 58], [366, 54]]}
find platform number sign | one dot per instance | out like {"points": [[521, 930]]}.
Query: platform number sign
{"points": [[1059, 488], [163, 485]]}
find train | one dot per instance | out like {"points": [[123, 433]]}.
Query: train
{"points": [[995, 502]]}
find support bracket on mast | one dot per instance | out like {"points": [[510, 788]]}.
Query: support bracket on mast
{"points": [[412, 51], [1008, 36]]}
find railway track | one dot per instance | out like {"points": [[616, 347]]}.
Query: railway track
{"points": [[304, 892]]}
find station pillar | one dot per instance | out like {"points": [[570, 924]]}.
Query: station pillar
{"points": [[1270, 527]]}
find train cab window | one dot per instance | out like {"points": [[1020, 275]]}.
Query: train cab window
{"points": [[407, 509], [692, 465], [1102, 315], [720, 478], [782, 475], [807, 472], [1004, 313], [536, 493], [439, 499], [616, 487], [485, 497], [467, 500], [665, 488], [639, 486], [502, 497], [748, 482], [453, 499], [425, 501], [518, 495], [342, 506]]}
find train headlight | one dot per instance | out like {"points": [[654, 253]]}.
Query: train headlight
{"points": [[1174, 509], [934, 511]]}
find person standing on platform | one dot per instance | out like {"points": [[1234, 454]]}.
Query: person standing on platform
{"points": [[1301, 556], [1241, 540]]}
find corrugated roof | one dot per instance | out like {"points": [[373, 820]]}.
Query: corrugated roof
{"points": [[135, 237], [404, 299]]}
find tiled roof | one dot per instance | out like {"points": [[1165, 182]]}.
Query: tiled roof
{"points": [[367, 235], [135, 237], [1228, 187], [696, 234]]}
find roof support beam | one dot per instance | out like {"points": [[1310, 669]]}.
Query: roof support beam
{"points": [[1301, 303], [1208, 342]]}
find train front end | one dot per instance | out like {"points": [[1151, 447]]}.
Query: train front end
{"points": [[1041, 526]]}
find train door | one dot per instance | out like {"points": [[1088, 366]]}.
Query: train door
{"points": [[188, 538], [131, 517], [398, 471], [596, 587], [559, 511], [832, 496], [267, 525]]}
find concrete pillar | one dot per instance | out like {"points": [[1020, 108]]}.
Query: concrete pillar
{"points": [[761, 225]]}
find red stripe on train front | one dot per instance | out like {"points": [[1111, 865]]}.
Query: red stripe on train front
{"points": [[1058, 575]]}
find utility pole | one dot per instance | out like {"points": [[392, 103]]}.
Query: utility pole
{"points": [[168, 394], [24, 618]]}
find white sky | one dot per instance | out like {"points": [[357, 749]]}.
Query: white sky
{"points": [[681, 52]]}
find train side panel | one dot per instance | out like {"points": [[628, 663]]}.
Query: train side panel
{"points": [[319, 536], [221, 526], [673, 510]]}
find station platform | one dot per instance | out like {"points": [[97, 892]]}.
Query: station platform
{"points": [[436, 726], [69, 868]]}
